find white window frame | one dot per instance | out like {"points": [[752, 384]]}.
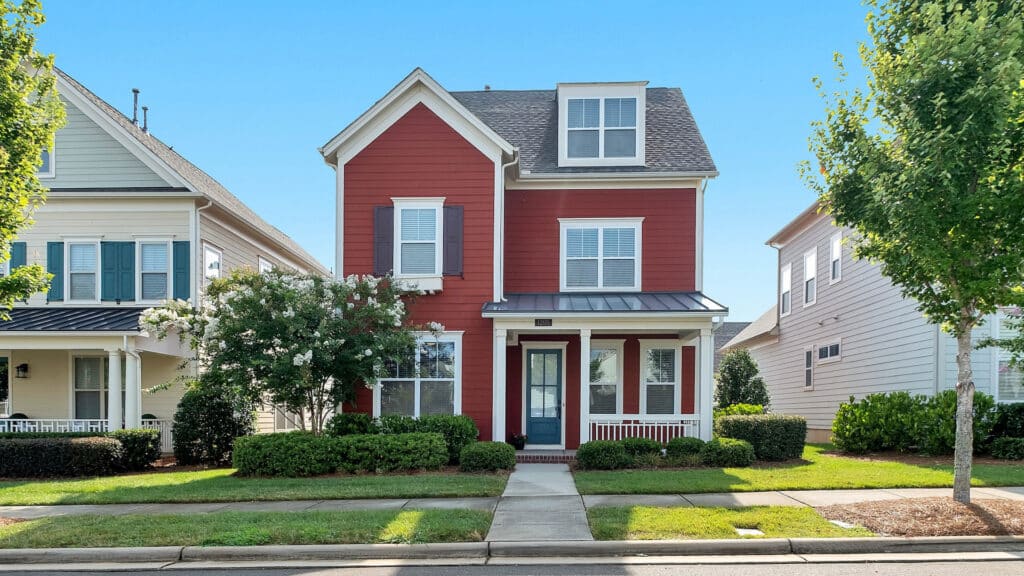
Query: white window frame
{"points": [[454, 337], [566, 92], [1001, 356], [207, 249], [617, 346], [5, 267], [808, 367], [601, 224], [786, 278], [52, 172], [677, 347], [67, 269], [811, 255], [104, 390], [431, 281], [263, 265], [829, 358], [835, 261], [138, 268]]}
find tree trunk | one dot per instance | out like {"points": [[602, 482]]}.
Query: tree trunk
{"points": [[964, 453]]}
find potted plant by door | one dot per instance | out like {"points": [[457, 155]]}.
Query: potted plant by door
{"points": [[517, 440]]}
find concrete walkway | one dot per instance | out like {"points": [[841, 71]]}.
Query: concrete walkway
{"points": [[540, 503]]}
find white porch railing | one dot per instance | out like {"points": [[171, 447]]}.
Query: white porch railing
{"points": [[656, 427], [164, 426], [53, 425]]}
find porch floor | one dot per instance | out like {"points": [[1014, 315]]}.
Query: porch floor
{"points": [[536, 456]]}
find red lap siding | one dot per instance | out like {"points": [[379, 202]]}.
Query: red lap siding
{"points": [[532, 242], [421, 156]]}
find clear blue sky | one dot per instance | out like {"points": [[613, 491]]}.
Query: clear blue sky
{"points": [[249, 90]]}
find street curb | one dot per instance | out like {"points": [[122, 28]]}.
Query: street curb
{"points": [[481, 550]]}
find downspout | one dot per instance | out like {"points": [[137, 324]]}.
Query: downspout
{"points": [[501, 223]]}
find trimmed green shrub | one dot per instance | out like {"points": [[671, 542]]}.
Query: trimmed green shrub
{"points": [[683, 446], [773, 436], [738, 410], [879, 422], [602, 455], [727, 453], [291, 454], [487, 457], [388, 452], [52, 457], [141, 447], [458, 431], [640, 446], [938, 427], [1009, 421], [38, 435], [1008, 448], [205, 427], [350, 423]]}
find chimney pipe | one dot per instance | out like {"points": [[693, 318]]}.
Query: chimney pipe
{"points": [[135, 106], [145, 119]]}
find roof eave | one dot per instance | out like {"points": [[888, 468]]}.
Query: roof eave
{"points": [[795, 226], [553, 176]]}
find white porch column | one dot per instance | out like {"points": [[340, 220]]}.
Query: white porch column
{"points": [[114, 414], [705, 381], [133, 389], [584, 385], [498, 386]]}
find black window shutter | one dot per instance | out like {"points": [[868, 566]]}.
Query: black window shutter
{"points": [[452, 241], [383, 240]]}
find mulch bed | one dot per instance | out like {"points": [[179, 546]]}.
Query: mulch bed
{"points": [[9, 521], [933, 517]]}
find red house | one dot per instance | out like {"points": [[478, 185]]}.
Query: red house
{"points": [[558, 235]]}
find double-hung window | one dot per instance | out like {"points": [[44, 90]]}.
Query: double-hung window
{"points": [[90, 379], [601, 125], [211, 263], [419, 224], [46, 159], [606, 377], [600, 254], [809, 368], [835, 269], [660, 371], [82, 262], [154, 269], [810, 277], [1010, 381], [786, 290], [426, 380]]}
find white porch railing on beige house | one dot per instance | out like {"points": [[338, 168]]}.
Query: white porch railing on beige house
{"points": [[656, 427], [83, 425]]}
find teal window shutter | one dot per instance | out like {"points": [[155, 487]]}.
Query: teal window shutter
{"points": [[182, 280], [19, 255], [55, 266], [117, 269], [108, 271]]}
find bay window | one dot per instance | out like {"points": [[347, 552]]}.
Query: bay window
{"points": [[425, 381], [600, 254]]}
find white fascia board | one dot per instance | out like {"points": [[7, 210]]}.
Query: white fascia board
{"points": [[431, 94], [618, 181]]}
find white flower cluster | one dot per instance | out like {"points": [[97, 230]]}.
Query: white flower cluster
{"points": [[303, 359]]}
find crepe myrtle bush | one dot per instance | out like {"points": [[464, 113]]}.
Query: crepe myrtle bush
{"points": [[300, 341]]}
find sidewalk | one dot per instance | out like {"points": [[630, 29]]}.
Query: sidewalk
{"points": [[540, 503]]}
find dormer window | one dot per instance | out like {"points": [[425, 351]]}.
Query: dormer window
{"points": [[601, 124]]}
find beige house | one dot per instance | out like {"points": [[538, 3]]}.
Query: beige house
{"points": [[128, 223]]}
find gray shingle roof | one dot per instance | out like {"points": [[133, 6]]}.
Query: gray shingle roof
{"points": [[766, 325], [201, 182], [528, 119], [639, 302], [47, 319]]}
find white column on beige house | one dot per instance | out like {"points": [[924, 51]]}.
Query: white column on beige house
{"points": [[584, 385], [498, 386], [705, 382], [114, 421], [133, 389]]}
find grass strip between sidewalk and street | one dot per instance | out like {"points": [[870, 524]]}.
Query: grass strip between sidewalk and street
{"points": [[817, 471], [221, 486], [686, 523], [249, 529]]}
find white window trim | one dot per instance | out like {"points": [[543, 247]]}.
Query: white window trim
{"points": [[421, 281], [52, 172], [830, 359], [263, 265], [787, 272], [804, 367], [812, 253], [220, 259], [600, 223], [997, 332], [835, 240], [568, 92], [677, 346], [104, 383], [5, 268], [619, 347], [452, 336], [67, 269], [138, 269]]}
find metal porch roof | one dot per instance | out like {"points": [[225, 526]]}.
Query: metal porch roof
{"points": [[598, 302], [62, 319]]}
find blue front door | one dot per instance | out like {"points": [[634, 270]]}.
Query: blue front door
{"points": [[544, 396]]}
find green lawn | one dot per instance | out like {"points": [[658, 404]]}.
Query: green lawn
{"points": [[220, 486], [817, 471], [647, 523], [249, 528]]}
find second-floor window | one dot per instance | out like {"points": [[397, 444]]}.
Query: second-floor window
{"points": [[264, 265], [211, 263], [83, 279], [600, 254], [154, 270], [786, 290], [45, 170], [419, 231], [835, 258], [810, 277]]}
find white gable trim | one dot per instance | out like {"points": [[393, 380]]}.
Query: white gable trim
{"points": [[122, 136], [417, 88]]}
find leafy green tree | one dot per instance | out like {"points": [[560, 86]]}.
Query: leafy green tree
{"points": [[301, 341], [738, 382], [926, 166], [30, 114]]}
